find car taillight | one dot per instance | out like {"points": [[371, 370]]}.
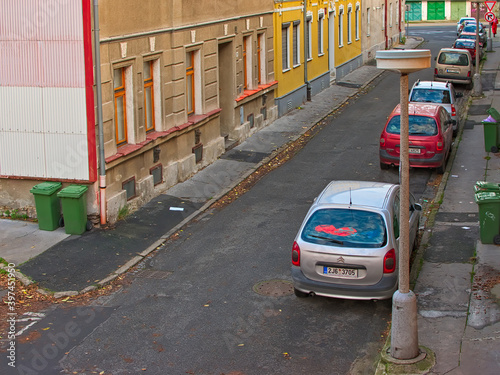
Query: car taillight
{"points": [[453, 110], [295, 254], [382, 142], [435, 71], [468, 74], [390, 261], [439, 145]]}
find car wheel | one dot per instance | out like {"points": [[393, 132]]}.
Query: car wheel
{"points": [[300, 294], [469, 86], [494, 149], [384, 166], [441, 168]]}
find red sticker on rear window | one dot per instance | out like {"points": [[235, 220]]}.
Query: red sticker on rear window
{"points": [[330, 229]]}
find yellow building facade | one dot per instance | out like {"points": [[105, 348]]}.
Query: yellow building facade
{"points": [[301, 51]]}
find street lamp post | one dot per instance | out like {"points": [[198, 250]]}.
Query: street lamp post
{"points": [[404, 333]]}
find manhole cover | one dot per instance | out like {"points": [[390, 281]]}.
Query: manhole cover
{"points": [[274, 288]]}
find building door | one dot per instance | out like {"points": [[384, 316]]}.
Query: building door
{"points": [[435, 10], [226, 88], [415, 12], [331, 45], [458, 10]]}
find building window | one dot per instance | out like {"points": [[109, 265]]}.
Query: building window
{"points": [[383, 13], [285, 46], [390, 14], [129, 187], [309, 38], [296, 43], [357, 22], [341, 27], [349, 28], [261, 57], [120, 106], [368, 21], [320, 34], [149, 105], [246, 64], [190, 83], [157, 173]]}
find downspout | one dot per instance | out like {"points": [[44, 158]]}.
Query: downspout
{"points": [[385, 25], [102, 161], [306, 44]]}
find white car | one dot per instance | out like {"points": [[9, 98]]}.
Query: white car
{"points": [[347, 245], [442, 93], [461, 22]]}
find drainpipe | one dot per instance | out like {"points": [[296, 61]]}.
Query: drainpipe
{"points": [[102, 161], [306, 45], [385, 25]]}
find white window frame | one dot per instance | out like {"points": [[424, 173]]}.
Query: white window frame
{"points": [[309, 22], [296, 44], [357, 12], [321, 33], [285, 52], [262, 44], [368, 21], [349, 24], [341, 26]]}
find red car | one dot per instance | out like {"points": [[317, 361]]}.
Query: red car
{"points": [[469, 45], [430, 136]]}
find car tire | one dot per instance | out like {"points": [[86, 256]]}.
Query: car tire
{"points": [[494, 149], [384, 166], [300, 294], [496, 239]]}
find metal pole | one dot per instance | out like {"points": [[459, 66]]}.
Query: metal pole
{"points": [[478, 88], [404, 332], [102, 161]]}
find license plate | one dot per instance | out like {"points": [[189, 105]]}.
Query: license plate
{"points": [[414, 151], [348, 273], [452, 71]]}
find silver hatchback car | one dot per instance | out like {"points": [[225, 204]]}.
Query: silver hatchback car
{"points": [[347, 245]]}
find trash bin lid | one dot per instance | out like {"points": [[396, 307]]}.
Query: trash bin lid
{"points": [[46, 188], [486, 186], [485, 197], [72, 191], [494, 113]]}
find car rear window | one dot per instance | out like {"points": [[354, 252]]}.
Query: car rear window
{"points": [[430, 96], [418, 125], [465, 44], [346, 228], [453, 58]]}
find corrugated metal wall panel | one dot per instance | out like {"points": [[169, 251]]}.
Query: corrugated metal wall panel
{"points": [[63, 64], [20, 109], [20, 64], [22, 151], [60, 20], [18, 20], [67, 156], [64, 111]]}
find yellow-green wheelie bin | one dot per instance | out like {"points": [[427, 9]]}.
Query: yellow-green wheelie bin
{"points": [[74, 207], [48, 208]]}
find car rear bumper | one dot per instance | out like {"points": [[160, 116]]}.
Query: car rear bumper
{"points": [[434, 162], [384, 289], [452, 79]]}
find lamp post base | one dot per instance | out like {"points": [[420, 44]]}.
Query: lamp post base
{"points": [[478, 87], [404, 332]]}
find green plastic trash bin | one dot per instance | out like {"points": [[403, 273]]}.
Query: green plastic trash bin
{"points": [[491, 132], [48, 209], [74, 207], [489, 216], [486, 186]]}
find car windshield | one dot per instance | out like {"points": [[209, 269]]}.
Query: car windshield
{"points": [[418, 125], [465, 44], [470, 29], [346, 227], [430, 96], [453, 58]]}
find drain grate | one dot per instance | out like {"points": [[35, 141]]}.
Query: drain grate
{"points": [[154, 274], [274, 288]]}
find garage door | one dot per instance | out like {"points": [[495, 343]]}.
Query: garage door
{"points": [[435, 10], [415, 11], [458, 10]]}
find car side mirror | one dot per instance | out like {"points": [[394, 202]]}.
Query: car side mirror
{"points": [[417, 207], [435, 58], [453, 122]]}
